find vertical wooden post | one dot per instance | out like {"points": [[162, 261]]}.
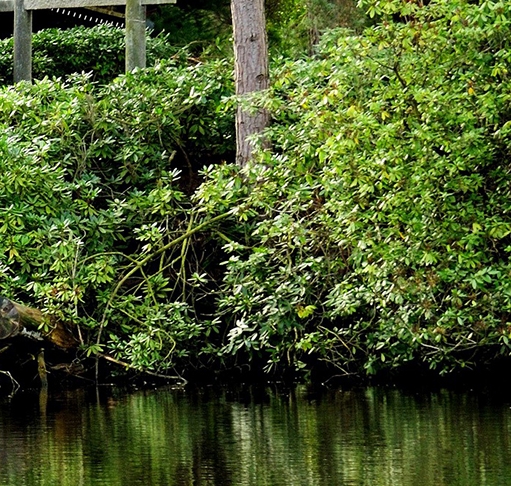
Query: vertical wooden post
{"points": [[22, 42], [135, 35], [41, 369]]}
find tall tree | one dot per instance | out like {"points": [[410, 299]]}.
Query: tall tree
{"points": [[251, 70]]}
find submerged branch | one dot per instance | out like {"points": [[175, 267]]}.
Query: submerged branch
{"points": [[146, 372]]}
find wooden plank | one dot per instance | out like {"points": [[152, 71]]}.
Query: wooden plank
{"points": [[8, 5]]}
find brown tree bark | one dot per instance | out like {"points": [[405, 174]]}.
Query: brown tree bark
{"points": [[250, 70], [16, 318]]}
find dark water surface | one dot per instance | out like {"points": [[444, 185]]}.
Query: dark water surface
{"points": [[216, 436]]}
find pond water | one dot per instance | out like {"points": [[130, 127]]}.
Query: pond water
{"points": [[255, 436]]}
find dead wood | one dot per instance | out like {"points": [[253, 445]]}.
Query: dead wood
{"points": [[16, 318]]}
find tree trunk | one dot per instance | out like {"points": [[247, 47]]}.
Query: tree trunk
{"points": [[250, 70], [16, 318]]}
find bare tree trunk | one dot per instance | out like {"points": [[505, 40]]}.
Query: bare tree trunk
{"points": [[250, 70]]}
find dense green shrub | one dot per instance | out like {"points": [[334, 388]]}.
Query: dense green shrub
{"points": [[374, 233], [93, 204], [377, 231], [99, 50]]}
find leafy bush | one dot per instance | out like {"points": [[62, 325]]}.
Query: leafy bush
{"points": [[373, 234], [94, 210], [377, 231]]}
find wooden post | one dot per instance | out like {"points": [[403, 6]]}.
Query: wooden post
{"points": [[41, 369], [135, 35], [22, 42]]}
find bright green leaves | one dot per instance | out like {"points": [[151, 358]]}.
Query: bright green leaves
{"points": [[375, 232], [390, 173], [94, 207]]}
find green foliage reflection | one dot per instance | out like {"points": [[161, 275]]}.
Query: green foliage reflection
{"points": [[257, 437]]}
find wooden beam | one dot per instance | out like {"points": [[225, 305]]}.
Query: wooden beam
{"points": [[8, 5], [48, 4], [106, 11]]}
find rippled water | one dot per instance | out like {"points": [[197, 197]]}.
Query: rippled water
{"points": [[217, 436]]}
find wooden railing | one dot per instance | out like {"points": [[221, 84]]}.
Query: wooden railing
{"points": [[135, 28]]}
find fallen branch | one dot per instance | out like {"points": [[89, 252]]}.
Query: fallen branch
{"points": [[18, 319]]}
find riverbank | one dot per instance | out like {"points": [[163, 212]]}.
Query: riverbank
{"points": [[369, 237]]}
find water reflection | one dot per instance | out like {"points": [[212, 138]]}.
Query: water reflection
{"points": [[255, 437]]}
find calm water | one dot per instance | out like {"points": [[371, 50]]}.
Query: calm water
{"points": [[371, 437]]}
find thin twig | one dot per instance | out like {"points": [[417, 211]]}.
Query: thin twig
{"points": [[15, 384]]}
